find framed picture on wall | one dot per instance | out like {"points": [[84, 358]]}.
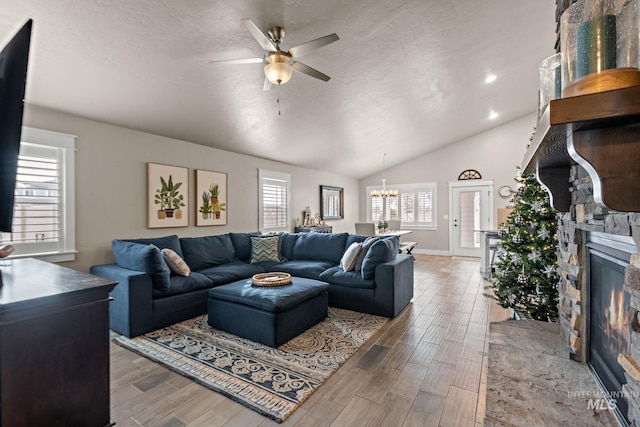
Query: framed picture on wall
{"points": [[211, 196], [331, 202], [167, 196]]}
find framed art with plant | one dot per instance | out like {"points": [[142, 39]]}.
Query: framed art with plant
{"points": [[211, 194], [167, 196]]}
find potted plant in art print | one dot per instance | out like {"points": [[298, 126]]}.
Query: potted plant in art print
{"points": [[212, 190], [168, 189]]}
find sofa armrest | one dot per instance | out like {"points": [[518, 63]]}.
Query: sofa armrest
{"points": [[394, 282], [130, 311]]}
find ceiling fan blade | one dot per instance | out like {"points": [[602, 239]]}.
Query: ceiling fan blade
{"points": [[267, 84], [239, 61], [259, 35], [307, 47], [305, 69]]}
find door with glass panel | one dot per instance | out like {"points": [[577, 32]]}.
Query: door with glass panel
{"points": [[470, 214]]}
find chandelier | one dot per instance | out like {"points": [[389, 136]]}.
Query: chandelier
{"points": [[384, 192]]}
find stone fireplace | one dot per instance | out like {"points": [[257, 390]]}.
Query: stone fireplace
{"points": [[599, 288]]}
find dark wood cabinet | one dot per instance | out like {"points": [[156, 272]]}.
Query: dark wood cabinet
{"points": [[54, 346], [316, 229]]}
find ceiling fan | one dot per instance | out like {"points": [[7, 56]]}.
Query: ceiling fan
{"points": [[279, 65]]}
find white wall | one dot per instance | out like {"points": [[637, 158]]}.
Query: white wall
{"points": [[111, 184], [494, 153]]}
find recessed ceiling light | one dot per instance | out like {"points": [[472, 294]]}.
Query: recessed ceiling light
{"points": [[490, 78], [493, 115]]}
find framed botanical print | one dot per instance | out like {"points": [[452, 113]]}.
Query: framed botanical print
{"points": [[167, 196], [211, 196]]}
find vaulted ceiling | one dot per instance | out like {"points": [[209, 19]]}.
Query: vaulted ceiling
{"points": [[407, 76]]}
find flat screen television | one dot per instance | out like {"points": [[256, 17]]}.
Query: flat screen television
{"points": [[13, 79]]}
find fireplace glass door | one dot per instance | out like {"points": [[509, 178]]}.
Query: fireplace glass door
{"points": [[609, 323]]}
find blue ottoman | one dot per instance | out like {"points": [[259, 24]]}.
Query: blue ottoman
{"points": [[269, 315]]}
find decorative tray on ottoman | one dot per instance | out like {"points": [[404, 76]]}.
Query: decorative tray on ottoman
{"points": [[271, 279]]}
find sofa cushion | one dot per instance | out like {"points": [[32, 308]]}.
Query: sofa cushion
{"points": [[231, 271], [203, 252], [242, 244], [175, 263], [170, 242], [142, 257], [265, 249], [384, 250], [348, 260], [181, 284], [288, 241], [303, 268], [355, 238], [336, 276], [320, 246]]}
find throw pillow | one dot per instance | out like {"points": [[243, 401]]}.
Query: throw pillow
{"points": [[363, 252], [384, 250], [348, 261], [175, 263], [264, 249]]}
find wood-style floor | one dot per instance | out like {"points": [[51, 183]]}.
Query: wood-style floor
{"points": [[426, 367]]}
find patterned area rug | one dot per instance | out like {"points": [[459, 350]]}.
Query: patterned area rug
{"points": [[271, 381]]}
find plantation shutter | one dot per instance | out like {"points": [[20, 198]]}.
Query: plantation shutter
{"points": [[274, 202], [425, 206], [275, 189], [376, 208], [36, 213]]}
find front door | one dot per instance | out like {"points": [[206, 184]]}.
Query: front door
{"points": [[470, 207]]}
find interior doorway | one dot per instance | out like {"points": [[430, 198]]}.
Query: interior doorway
{"points": [[470, 213]]}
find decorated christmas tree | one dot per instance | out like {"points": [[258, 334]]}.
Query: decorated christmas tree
{"points": [[526, 278]]}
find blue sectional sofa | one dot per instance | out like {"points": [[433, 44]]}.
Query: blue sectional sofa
{"points": [[150, 296]]}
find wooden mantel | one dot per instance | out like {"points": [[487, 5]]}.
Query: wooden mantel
{"points": [[601, 133]]}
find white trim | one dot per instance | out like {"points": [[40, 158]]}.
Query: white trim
{"points": [[430, 252]]}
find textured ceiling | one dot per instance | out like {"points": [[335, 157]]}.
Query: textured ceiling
{"points": [[407, 75]]}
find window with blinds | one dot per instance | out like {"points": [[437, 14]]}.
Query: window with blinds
{"points": [[36, 212], [274, 200], [414, 206], [44, 206]]}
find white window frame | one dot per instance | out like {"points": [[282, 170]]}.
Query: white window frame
{"points": [[65, 248], [409, 188], [265, 175]]}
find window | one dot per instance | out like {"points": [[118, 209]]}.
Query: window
{"points": [[274, 200], [44, 208], [415, 205]]}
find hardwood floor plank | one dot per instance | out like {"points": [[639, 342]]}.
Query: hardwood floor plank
{"points": [[408, 383], [392, 412], [460, 408], [426, 410], [424, 353], [356, 414], [467, 374], [438, 379]]}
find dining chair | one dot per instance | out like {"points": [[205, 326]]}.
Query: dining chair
{"points": [[366, 228]]}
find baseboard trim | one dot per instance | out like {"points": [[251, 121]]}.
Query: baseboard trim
{"points": [[430, 252]]}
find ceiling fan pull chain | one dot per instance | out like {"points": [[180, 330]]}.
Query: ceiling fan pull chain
{"points": [[278, 102]]}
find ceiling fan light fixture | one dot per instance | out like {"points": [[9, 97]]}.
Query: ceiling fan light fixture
{"points": [[278, 69]]}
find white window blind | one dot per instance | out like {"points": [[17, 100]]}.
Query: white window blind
{"points": [[36, 212], [275, 189], [414, 206], [44, 206]]}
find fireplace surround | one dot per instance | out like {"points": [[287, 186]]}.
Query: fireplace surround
{"points": [[599, 245]]}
